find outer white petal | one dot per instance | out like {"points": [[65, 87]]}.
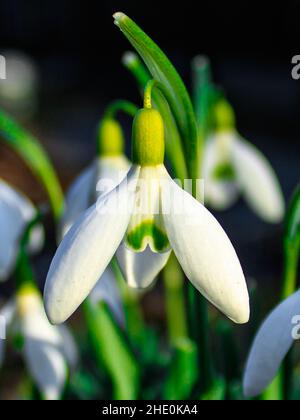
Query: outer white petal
{"points": [[83, 192], [43, 356], [87, 249], [259, 182], [141, 268], [78, 198], [7, 313], [15, 212], [271, 344], [68, 346], [205, 252], [218, 194], [107, 290]]}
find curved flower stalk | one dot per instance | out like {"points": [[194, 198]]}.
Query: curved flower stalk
{"points": [[232, 166], [48, 351], [142, 214], [281, 327], [16, 211]]}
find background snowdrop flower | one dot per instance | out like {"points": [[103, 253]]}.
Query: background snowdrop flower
{"points": [[106, 290], [271, 344], [110, 167], [233, 166], [16, 211], [142, 212], [48, 351]]}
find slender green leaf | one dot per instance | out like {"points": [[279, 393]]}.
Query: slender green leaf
{"points": [[174, 89], [111, 350], [29, 148]]}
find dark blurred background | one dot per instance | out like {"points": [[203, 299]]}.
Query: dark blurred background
{"points": [[77, 51]]}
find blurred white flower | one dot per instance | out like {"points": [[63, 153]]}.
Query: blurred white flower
{"points": [[18, 93], [232, 166], [271, 344], [48, 350], [16, 211], [147, 212]]}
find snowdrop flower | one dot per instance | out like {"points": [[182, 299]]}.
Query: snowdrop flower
{"points": [[233, 166], [48, 351], [139, 269], [271, 344], [16, 211], [143, 218]]}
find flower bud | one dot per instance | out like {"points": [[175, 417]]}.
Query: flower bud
{"points": [[110, 138], [224, 116]]}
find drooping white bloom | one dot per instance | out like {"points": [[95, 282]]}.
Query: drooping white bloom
{"points": [[148, 212], [16, 211], [232, 166], [271, 344], [48, 351]]}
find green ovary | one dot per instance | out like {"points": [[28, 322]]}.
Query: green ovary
{"points": [[147, 233]]}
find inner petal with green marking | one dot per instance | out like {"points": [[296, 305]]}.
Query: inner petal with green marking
{"points": [[146, 226], [224, 170]]}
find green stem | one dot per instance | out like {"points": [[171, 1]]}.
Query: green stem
{"points": [[36, 158], [175, 301], [199, 328], [120, 105], [201, 86], [23, 272], [132, 62], [291, 261], [135, 325]]}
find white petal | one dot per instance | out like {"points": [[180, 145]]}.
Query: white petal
{"points": [[68, 346], [83, 192], [107, 290], [15, 212], [47, 367], [141, 268], [43, 356], [78, 198], [205, 252], [7, 313], [87, 249], [271, 344], [259, 182], [220, 195]]}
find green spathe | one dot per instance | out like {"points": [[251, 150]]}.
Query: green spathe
{"points": [[148, 145], [110, 138]]}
